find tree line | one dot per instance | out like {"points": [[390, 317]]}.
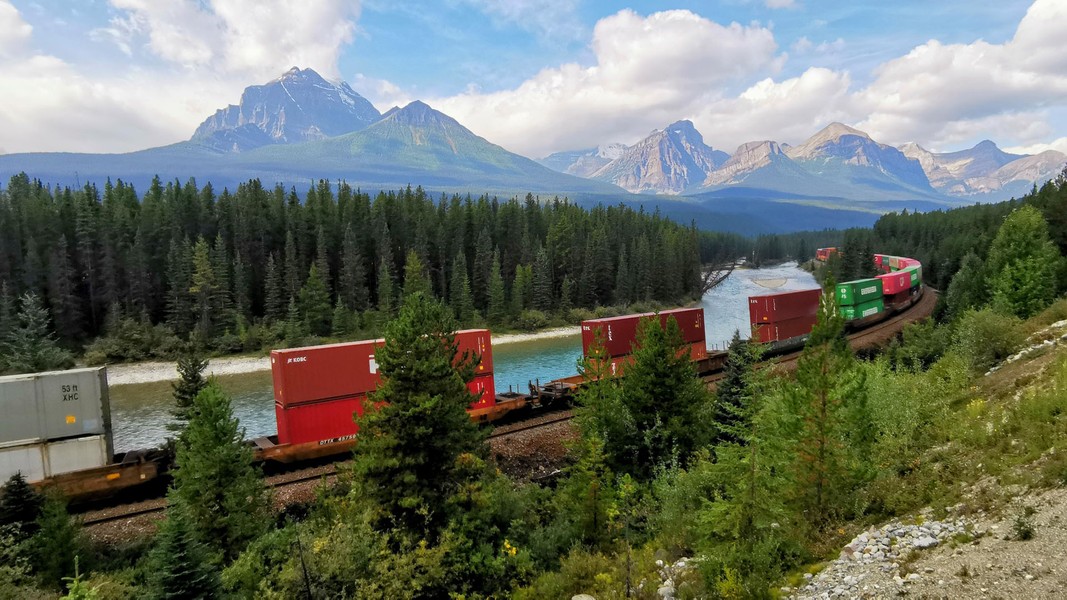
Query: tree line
{"points": [[244, 268]]}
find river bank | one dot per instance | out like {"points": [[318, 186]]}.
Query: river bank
{"points": [[152, 372]]}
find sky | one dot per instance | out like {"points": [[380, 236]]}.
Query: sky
{"points": [[540, 76]]}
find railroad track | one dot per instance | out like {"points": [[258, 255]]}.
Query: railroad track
{"points": [[566, 415]]}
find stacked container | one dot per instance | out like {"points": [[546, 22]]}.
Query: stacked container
{"points": [[894, 283], [619, 334], [851, 293], [784, 315], [54, 422], [862, 311], [824, 253], [319, 389]]}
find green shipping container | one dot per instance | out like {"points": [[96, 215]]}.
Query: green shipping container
{"points": [[851, 293], [916, 275], [861, 311]]}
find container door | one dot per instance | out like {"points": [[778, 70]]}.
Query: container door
{"points": [[71, 403], [75, 455], [21, 421]]}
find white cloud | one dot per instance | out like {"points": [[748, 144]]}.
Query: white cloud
{"points": [[941, 93], [550, 19], [780, 3], [649, 71], [210, 51], [1059, 145], [14, 32], [381, 93]]}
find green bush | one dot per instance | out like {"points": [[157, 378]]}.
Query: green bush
{"points": [[132, 340], [985, 337], [531, 320], [577, 315]]}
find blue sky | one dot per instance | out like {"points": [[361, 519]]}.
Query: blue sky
{"points": [[538, 76]]}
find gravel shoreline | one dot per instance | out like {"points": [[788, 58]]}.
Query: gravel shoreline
{"points": [[152, 372]]}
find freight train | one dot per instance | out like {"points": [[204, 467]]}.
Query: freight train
{"points": [[57, 426]]}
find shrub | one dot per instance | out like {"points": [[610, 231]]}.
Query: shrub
{"points": [[131, 340], [531, 320], [577, 315], [985, 337]]}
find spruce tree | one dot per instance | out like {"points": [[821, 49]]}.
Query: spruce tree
{"points": [[322, 259], [293, 271], [221, 266], [7, 315], [460, 293], [340, 323], [521, 290], [20, 506], [415, 278], [968, 287], [204, 289], [566, 294], [191, 366], [181, 565], [831, 427], [315, 304], [497, 311], [482, 273], [409, 451], [57, 542], [623, 279], [1023, 264], [62, 294], [542, 282], [352, 280], [386, 295], [274, 289], [215, 478], [181, 311], [242, 289], [734, 392], [30, 345]]}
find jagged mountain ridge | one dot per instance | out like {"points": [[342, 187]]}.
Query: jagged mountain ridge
{"points": [[583, 163], [299, 106], [668, 161], [985, 169]]}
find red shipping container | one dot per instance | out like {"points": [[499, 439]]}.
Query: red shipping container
{"points": [[323, 422], [616, 333], [782, 306], [904, 263], [782, 330], [478, 341], [895, 282], [690, 321], [485, 387], [698, 350], [317, 373], [878, 259]]}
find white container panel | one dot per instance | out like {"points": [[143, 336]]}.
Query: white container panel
{"points": [[75, 455], [18, 405], [27, 459]]}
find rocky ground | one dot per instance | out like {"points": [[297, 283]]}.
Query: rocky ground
{"points": [[960, 556]]}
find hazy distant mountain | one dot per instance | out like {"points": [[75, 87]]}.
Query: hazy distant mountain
{"points": [[754, 163], [986, 170], [299, 106], [668, 161], [849, 156], [583, 163]]}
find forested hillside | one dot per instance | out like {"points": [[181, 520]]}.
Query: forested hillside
{"points": [[251, 267]]}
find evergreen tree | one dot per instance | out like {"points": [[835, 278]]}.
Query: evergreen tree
{"points": [[7, 315], [566, 294], [20, 506], [30, 346], [215, 478], [828, 404], [521, 290], [623, 280], [497, 311], [293, 270], [181, 310], [62, 294], [223, 298], [409, 451], [315, 304], [386, 295], [204, 289], [352, 281], [460, 292], [603, 417], [542, 282], [1023, 264], [665, 398], [968, 287], [322, 259], [415, 279], [340, 324], [181, 565], [274, 302], [295, 327], [191, 366], [587, 495], [734, 393], [482, 273], [242, 288], [57, 542]]}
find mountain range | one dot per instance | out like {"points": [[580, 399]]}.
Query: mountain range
{"points": [[300, 128]]}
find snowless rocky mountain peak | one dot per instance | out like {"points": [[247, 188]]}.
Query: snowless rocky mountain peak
{"points": [[298, 106]]}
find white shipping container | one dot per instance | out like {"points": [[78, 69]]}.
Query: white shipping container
{"points": [[55, 405], [77, 454], [29, 459]]}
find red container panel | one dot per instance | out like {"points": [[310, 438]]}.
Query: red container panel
{"points": [[895, 282], [485, 387], [782, 330], [317, 373], [616, 333], [782, 306], [690, 321], [323, 422], [698, 350], [907, 262], [478, 341]]}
